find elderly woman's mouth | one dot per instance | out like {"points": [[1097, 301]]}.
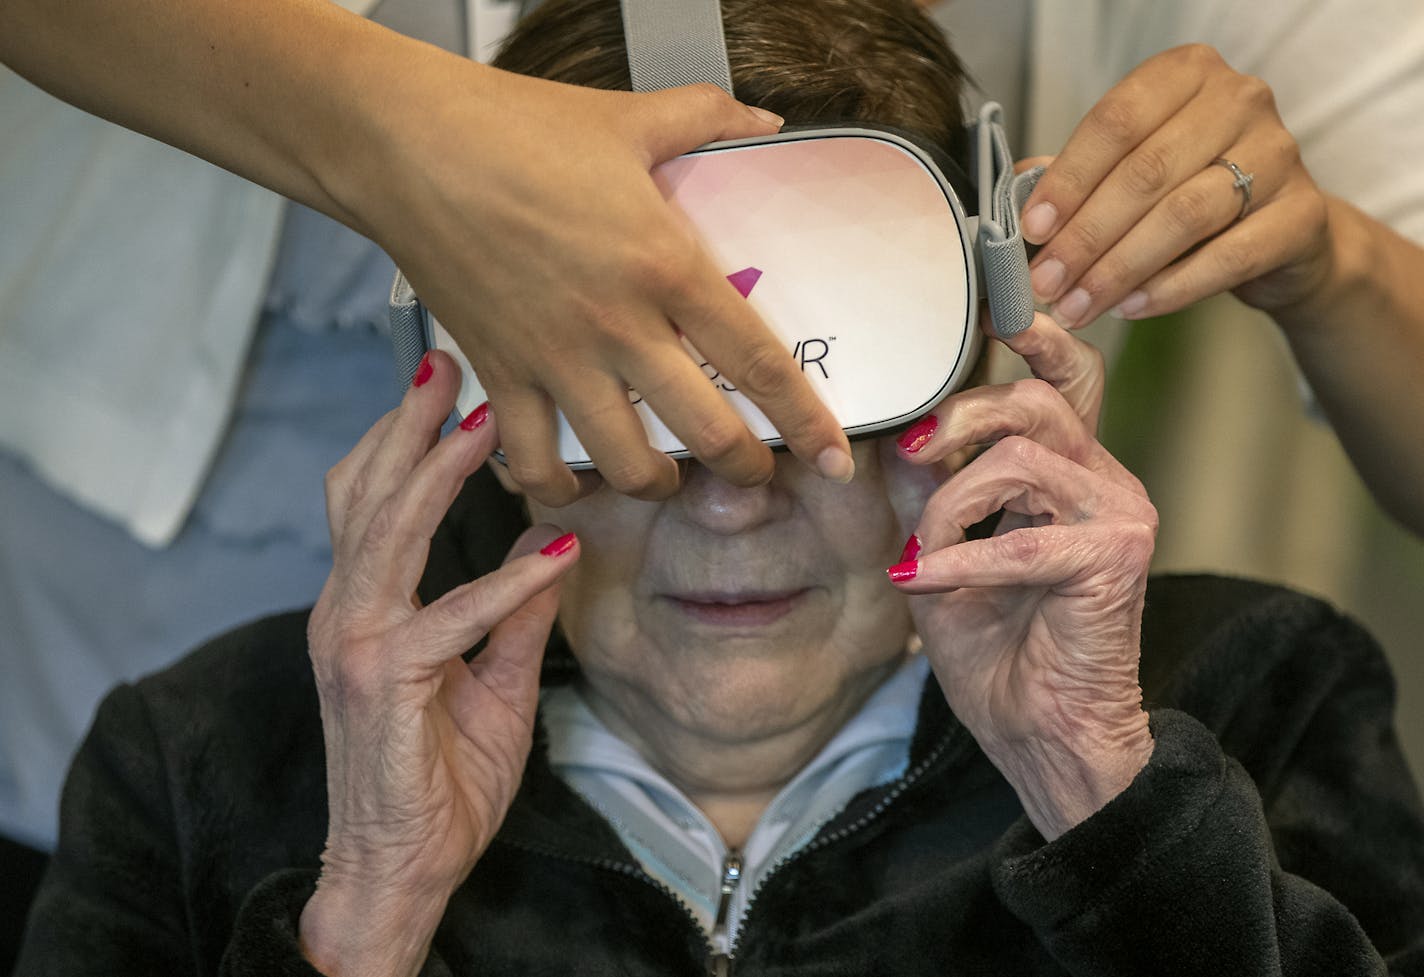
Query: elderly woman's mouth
{"points": [[747, 608]]}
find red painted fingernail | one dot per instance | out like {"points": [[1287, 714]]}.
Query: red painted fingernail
{"points": [[475, 418], [424, 371], [919, 434], [561, 545], [901, 572], [911, 550]]}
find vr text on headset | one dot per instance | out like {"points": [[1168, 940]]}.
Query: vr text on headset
{"points": [[807, 352]]}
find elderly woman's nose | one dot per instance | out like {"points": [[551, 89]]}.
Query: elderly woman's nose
{"points": [[720, 507]]}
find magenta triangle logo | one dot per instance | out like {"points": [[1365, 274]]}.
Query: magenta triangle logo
{"points": [[745, 280]]}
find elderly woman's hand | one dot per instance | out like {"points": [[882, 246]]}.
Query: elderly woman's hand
{"points": [[1140, 184], [1033, 633], [423, 751]]}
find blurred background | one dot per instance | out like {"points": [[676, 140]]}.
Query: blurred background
{"points": [[1207, 408]]}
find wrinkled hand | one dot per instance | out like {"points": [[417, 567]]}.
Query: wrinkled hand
{"points": [[1033, 633], [530, 226], [423, 751], [1135, 190]]}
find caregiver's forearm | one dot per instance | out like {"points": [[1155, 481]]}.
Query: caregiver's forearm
{"points": [[298, 95], [1360, 343]]}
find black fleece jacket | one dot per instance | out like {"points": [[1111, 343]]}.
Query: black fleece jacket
{"points": [[1276, 830]]}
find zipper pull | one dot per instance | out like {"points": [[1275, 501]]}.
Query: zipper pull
{"points": [[720, 963]]}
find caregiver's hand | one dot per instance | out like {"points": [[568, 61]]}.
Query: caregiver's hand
{"points": [[522, 211], [1033, 633], [1136, 188], [423, 751], [558, 267]]}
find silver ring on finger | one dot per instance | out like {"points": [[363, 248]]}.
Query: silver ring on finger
{"points": [[1242, 182]]}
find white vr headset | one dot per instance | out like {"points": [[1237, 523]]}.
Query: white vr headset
{"points": [[856, 245]]}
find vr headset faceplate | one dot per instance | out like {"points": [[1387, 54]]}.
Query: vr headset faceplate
{"points": [[855, 246]]}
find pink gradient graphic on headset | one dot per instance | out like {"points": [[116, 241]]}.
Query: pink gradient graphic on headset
{"points": [[854, 255]]}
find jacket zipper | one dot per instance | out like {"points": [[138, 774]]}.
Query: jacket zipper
{"points": [[719, 961], [719, 964], [912, 777]]}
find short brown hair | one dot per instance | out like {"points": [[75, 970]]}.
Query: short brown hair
{"points": [[810, 61]]}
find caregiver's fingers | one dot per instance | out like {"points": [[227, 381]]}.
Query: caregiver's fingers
{"points": [[1291, 230], [1146, 152], [1202, 205], [726, 330], [1133, 109], [1180, 148], [611, 431]]}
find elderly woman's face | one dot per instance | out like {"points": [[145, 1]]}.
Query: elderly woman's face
{"points": [[739, 613]]}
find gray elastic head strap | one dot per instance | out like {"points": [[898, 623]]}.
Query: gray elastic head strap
{"points": [[675, 42], [1001, 246], [680, 42]]}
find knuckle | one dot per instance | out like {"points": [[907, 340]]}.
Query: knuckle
{"points": [[719, 439], [355, 678], [382, 527], [1072, 180], [1095, 362], [1285, 156], [1146, 171], [638, 479], [498, 377], [1018, 450], [1086, 235], [1038, 394], [1189, 210], [1199, 54], [764, 370], [1109, 273], [335, 484], [342, 673], [1137, 539], [1021, 545], [537, 478], [665, 262], [711, 98], [1114, 119], [1235, 259], [1256, 92], [611, 325]]}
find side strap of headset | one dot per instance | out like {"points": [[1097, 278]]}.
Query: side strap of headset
{"points": [[407, 330], [1001, 246]]}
